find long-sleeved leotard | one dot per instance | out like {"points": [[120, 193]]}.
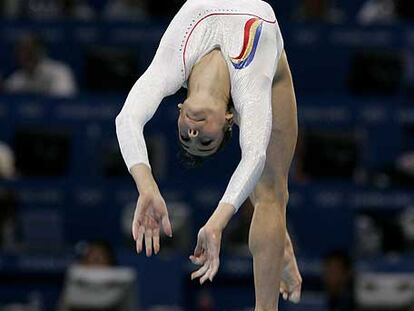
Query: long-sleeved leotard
{"points": [[248, 36]]}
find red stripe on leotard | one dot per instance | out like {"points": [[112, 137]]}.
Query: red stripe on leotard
{"points": [[217, 14], [247, 28]]}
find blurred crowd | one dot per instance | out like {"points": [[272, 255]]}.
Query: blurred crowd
{"points": [[87, 10], [370, 12], [330, 11], [37, 73]]}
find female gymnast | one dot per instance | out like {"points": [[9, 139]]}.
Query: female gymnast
{"points": [[223, 51]]}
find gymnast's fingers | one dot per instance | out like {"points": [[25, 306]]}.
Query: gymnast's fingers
{"points": [[213, 269], [148, 242], [135, 226], [156, 240], [295, 295], [137, 221], [205, 276], [200, 271], [140, 238], [211, 260], [166, 225]]}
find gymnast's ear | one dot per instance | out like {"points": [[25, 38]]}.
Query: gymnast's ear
{"points": [[229, 117]]}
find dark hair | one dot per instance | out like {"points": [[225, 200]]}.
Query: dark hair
{"points": [[189, 160], [35, 39], [83, 246]]}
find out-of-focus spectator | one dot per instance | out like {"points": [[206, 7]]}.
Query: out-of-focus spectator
{"points": [[368, 237], [96, 254], [47, 9], [37, 73], [126, 10], [338, 281], [92, 254], [7, 163], [319, 11], [377, 11], [385, 11], [407, 225], [406, 163]]}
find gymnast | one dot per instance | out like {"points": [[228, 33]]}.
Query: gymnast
{"points": [[229, 55]]}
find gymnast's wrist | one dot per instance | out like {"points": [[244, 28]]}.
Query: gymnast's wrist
{"points": [[221, 216], [143, 179]]}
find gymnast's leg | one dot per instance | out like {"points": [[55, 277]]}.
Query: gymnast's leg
{"points": [[267, 239]]}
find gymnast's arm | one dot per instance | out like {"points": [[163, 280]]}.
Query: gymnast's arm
{"points": [[162, 78], [255, 128]]}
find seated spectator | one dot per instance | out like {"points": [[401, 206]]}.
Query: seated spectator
{"points": [[41, 9], [7, 165], [318, 11], [93, 254], [126, 10], [96, 254], [37, 73], [338, 281]]}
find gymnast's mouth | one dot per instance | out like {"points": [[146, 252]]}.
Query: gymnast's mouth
{"points": [[198, 151]]}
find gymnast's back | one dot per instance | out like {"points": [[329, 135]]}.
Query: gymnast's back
{"points": [[257, 7]]}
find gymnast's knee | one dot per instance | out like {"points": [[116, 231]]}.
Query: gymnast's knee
{"points": [[274, 195], [268, 228]]}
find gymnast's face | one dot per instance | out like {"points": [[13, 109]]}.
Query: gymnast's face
{"points": [[201, 128]]}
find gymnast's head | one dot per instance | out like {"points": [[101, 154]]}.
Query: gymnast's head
{"points": [[204, 128]]}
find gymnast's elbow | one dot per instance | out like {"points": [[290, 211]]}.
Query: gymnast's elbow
{"points": [[121, 121], [123, 116], [261, 160]]}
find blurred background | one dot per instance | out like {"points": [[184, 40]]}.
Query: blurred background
{"points": [[66, 199]]}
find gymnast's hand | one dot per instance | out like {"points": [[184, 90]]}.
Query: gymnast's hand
{"points": [[207, 253], [150, 213]]}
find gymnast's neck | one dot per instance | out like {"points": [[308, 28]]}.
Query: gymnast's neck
{"points": [[209, 81]]}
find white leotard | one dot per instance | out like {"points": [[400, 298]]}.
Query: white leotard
{"points": [[248, 35]]}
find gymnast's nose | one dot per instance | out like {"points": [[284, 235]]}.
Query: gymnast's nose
{"points": [[192, 133]]}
